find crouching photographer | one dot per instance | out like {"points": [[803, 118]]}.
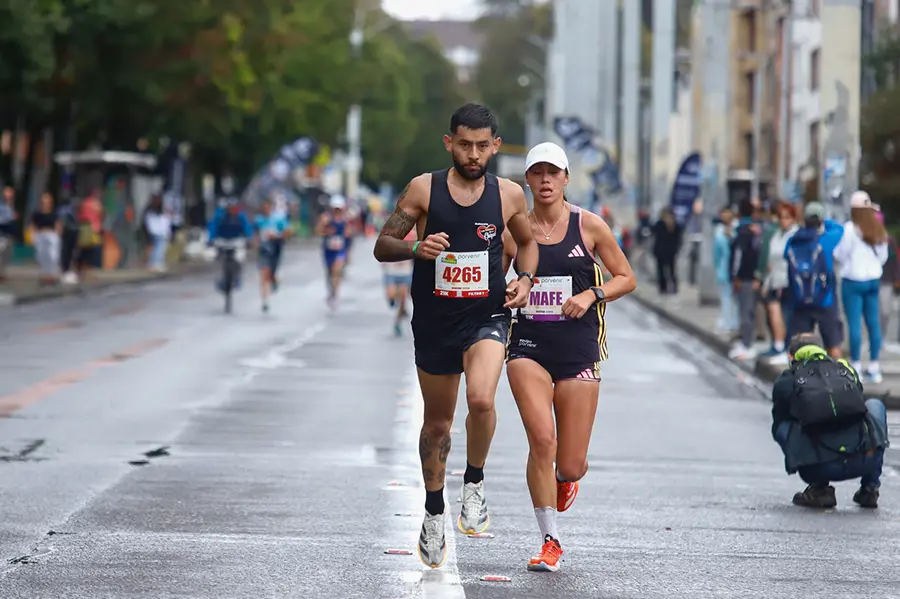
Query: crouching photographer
{"points": [[826, 428]]}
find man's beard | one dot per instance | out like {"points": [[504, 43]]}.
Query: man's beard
{"points": [[467, 174]]}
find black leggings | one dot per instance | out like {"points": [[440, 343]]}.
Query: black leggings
{"points": [[665, 275]]}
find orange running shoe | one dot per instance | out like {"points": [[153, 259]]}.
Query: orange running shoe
{"points": [[565, 495], [549, 557]]}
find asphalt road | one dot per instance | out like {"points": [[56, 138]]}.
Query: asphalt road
{"points": [[290, 464]]}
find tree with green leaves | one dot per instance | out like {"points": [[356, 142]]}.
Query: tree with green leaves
{"points": [[235, 79], [512, 59]]}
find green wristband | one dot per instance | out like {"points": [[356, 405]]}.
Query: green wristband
{"points": [[415, 247]]}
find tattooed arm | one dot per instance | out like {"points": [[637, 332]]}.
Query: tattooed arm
{"points": [[390, 246]]}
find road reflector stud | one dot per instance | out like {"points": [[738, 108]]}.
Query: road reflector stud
{"points": [[397, 552], [496, 579]]}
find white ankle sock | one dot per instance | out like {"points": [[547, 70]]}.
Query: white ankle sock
{"points": [[546, 517]]}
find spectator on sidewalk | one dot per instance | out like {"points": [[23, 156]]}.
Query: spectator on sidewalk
{"points": [[90, 234], [8, 217], [69, 227], [46, 228], [745, 249], [666, 244], [826, 427], [861, 255], [773, 272], [889, 292], [722, 233], [158, 225], [813, 285]]}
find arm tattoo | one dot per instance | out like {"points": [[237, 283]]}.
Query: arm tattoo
{"points": [[399, 224], [390, 247]]}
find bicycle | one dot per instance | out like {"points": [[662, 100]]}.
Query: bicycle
{"points": [[232, 252]]}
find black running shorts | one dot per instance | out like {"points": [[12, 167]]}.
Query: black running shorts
{"points": [[438, 356], [562, 371]]}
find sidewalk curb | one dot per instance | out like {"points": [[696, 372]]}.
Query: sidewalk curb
{"points": [[191, 268], [765, 372]]}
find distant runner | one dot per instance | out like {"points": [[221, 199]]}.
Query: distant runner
{"points": [[271, 229], [558, 341], [333, 228], [461, 306], [397, 281]]}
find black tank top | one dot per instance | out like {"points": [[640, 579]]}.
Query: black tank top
{"points": [[451, 305], [540, 333]]}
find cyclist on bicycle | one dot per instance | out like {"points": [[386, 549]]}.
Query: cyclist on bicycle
{"points": [[229, 222]]}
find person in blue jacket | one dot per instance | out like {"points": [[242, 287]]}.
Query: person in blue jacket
{"points": [[229, 222], [810, 256]]}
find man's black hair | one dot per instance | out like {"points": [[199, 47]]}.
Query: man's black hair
{"points": [[746, 209], [802, 340], [473, 116]]}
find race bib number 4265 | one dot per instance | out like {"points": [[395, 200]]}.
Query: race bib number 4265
{"points": [[461, 274]]}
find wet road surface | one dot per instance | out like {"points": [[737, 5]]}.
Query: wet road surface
{"points": [[282, 462]]}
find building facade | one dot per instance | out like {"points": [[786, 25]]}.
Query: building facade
{"points": [[459, 40]]}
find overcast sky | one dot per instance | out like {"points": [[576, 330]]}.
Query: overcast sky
{"points": [[432, 9]]}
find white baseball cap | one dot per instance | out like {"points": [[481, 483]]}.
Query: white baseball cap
{"points": [[547, 152], [338, 201], [861, 199]]}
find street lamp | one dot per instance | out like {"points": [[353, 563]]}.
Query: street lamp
{"points": [[353, 163]]}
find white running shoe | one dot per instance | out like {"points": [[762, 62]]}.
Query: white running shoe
{"points": [[473, 517], [432, 542]]}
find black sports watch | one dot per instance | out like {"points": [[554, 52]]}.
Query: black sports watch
{"points": [[526, 274], [599, 293]]}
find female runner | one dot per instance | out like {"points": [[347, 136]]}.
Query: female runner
{"points": [[559, 339]]}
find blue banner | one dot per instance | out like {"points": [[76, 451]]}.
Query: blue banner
{"points": [[686, 189]]}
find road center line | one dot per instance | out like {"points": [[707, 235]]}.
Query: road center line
{"points": [[443, 583]]}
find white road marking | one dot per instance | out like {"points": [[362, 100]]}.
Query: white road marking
{"points": [[425, 583]]}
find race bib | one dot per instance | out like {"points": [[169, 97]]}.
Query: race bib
{"points": [[461, 274], [335, 243], [546, 299]]}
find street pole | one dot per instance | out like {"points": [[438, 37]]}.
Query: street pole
{"points": [[629, 152], [609, 44], [839, 98], [787, 65], [757, 122], [354, 116], [663, 91], [716, 24]]}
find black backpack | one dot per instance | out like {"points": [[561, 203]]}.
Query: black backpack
{"points": [[827, 396]]}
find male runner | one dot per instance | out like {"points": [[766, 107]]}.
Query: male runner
{"points": [[333, 228], [461, 305], [271, 229]]}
